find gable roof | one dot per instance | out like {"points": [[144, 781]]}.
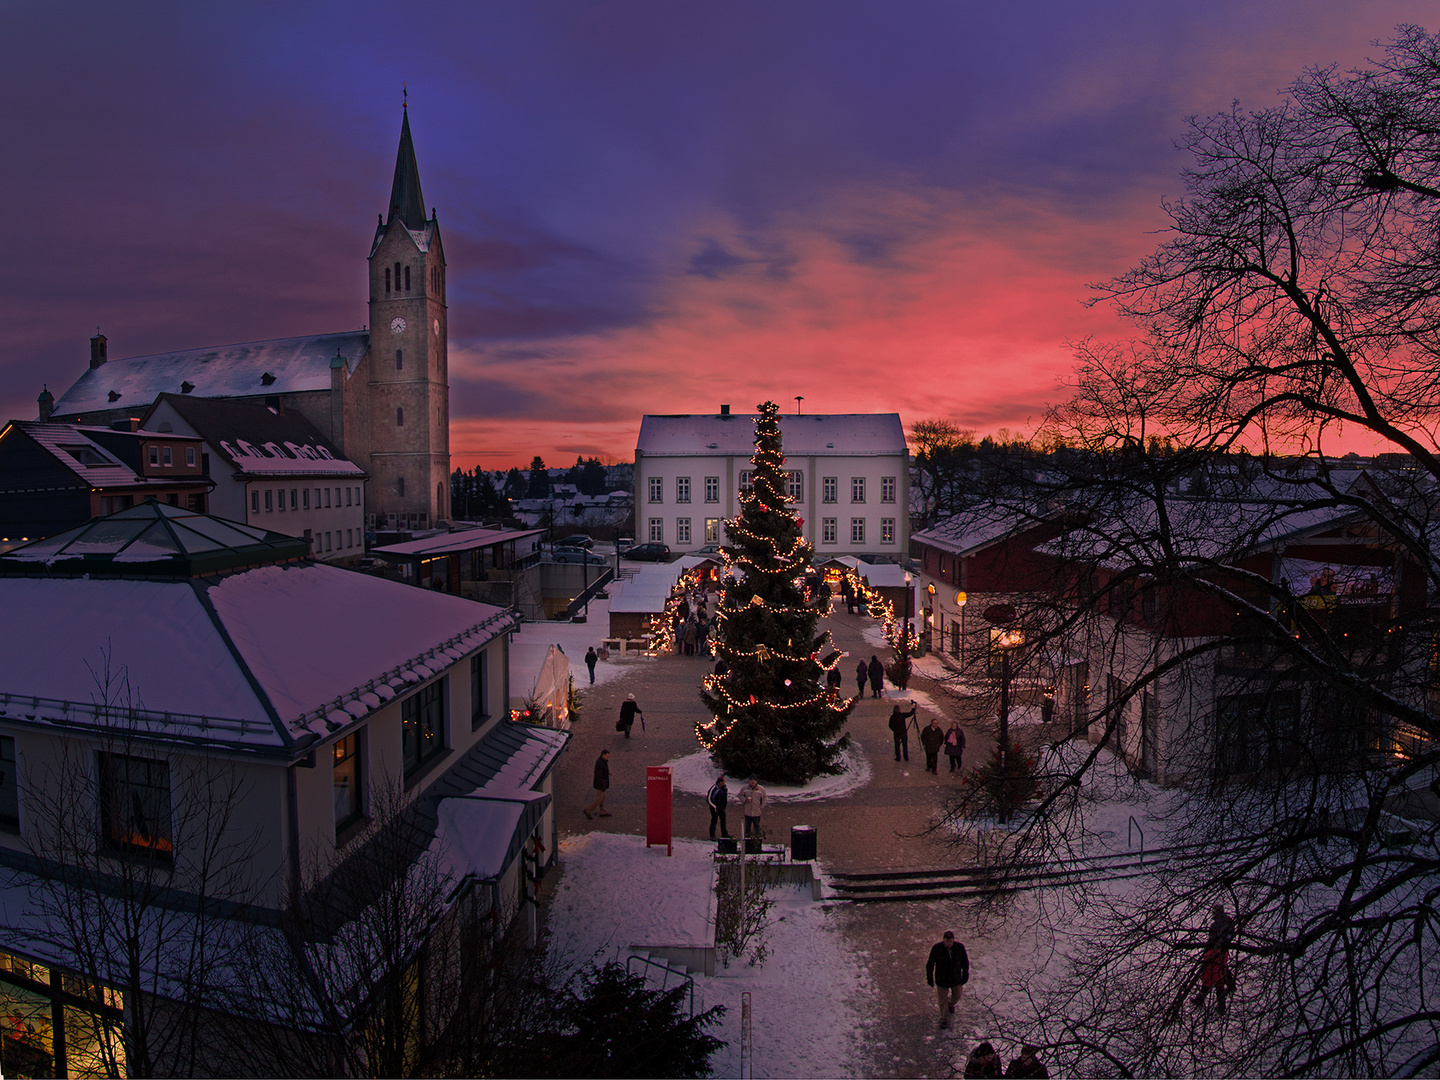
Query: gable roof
{"points": [[90, 455], [820, 435], [295, 364], [257, 440]]}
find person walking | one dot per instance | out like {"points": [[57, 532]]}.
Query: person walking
{"points": [[899, 727], [752, 801], [1027, 1066], [947, 970], [862, 672], [877, 677], [932, 739], [602, 785], [628, 711], [591, 659], [718, 797], [1215, 961], [954, 744], [984, 1062], [832, 680]]}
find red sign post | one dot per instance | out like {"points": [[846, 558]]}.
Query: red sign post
{"points": [[659, 808]]}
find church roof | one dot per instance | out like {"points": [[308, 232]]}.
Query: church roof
{"points": [[406, 201], [255, 368]]}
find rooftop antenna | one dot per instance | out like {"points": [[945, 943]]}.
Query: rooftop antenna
{"points": [[798, 398], [405, 94]]}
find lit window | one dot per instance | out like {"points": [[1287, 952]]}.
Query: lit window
{"points": [[348, 777], [857, 530], [827, 530], [712, 530], [831, 490], [657, 489], [857, 489], [682, 489], [135, 803], [422, 727], [657, 530], [887, 530], [682, 530], [712, 489], [887, 489]]}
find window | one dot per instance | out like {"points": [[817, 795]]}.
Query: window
{"points": [[422, 726], [346, 759], [269, 500], [279, 500], [317, 498], [830, 489], [745, 480], [327, 543], [479, 690], [254, 501], [135, 803], [857, 530], [657, 489], [887, 489], [154, 455], [828, 530], [887, 530], [399, 359], [399, 417], [712, 530], [347, 495], [348, 541], [9, 785], [794, 487], [407, 278], [397, 277], [857, 489], [305, 499], [195, 503], [387, 281], [399, 487], [682, 530], [712, 489], [294, 495], [682, 489], [657, 530], [190, 455], [167, 456]]}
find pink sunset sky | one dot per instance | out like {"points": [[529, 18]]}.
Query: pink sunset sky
{"points": [[648, 207]]}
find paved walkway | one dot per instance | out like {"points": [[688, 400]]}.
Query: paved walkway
{"points": [[884, 825]]}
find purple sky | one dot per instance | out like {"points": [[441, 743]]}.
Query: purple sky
{"points": [[647, 207]]}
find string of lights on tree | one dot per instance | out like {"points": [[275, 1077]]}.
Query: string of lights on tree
{"points": [[883, 612]]}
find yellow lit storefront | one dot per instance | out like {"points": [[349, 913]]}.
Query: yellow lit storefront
{"points": [[53, 1023]]}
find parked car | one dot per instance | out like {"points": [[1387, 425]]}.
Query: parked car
{"points": [[579, 540], [579, 555], [710, 551], [648, 553]]}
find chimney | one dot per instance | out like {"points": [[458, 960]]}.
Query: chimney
{"points": [[97, 350], [47, 403], [724, 410], [130, 424]]}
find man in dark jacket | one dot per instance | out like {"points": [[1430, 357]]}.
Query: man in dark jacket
{"points": [[877, 677], [602, 785], [948, 969], [1027, 1066], [932, 739], [832, 679], [628, 711], [718, 798], [899, 728], [861, 674], [591, 658]]}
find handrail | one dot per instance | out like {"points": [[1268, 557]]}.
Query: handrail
{"points": [[1129, 839], [668, 972]]}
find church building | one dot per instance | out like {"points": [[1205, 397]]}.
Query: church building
{"points": [[380, 395]]}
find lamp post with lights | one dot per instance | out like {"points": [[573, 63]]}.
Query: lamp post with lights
{"points": [[1002, 617]]}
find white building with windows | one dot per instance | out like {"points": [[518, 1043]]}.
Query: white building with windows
{"points": [[849, 479]]}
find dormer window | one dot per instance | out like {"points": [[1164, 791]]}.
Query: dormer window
{"points": [[186, 386], [114, 395], [267, 379]]}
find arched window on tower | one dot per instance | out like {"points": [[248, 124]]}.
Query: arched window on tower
{"points": [[400, 485], [387, 281], [399, 417], [399, 359], [397, 277], [407, 279]]}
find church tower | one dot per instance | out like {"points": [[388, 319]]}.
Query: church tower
{"points": [[402, 414]]}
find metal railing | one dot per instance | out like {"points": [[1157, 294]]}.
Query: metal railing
{"points": [[664, 982]]}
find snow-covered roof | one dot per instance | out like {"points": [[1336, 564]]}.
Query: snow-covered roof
{"points": [[257, 440], [83, 451], [972, 530], [466, 540], [648, 590], [292, 365], [883, 575], [821, 435], [261, 658]]}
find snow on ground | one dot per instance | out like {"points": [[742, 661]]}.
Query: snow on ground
{"points": [[805, 999], [694, 773], [575, 638]]}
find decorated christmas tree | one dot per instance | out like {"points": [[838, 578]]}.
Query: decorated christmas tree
{"points": [[773, 716]]}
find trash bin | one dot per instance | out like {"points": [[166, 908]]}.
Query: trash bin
{"points": [[752, 846], [728, 846], [802, 843]]}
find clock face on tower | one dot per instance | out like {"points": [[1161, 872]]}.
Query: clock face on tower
{"points": [[437, 326], [397, 325]]}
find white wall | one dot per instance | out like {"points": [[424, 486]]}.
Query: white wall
{"points": [[336, 524]]}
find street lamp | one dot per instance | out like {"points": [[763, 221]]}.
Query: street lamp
{"points": [[960, 599], [1002, 617]]}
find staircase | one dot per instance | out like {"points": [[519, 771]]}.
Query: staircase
{"points": [[661, 972], [976, 882]]}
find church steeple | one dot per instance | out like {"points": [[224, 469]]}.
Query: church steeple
{"points": [[406, 202]]}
